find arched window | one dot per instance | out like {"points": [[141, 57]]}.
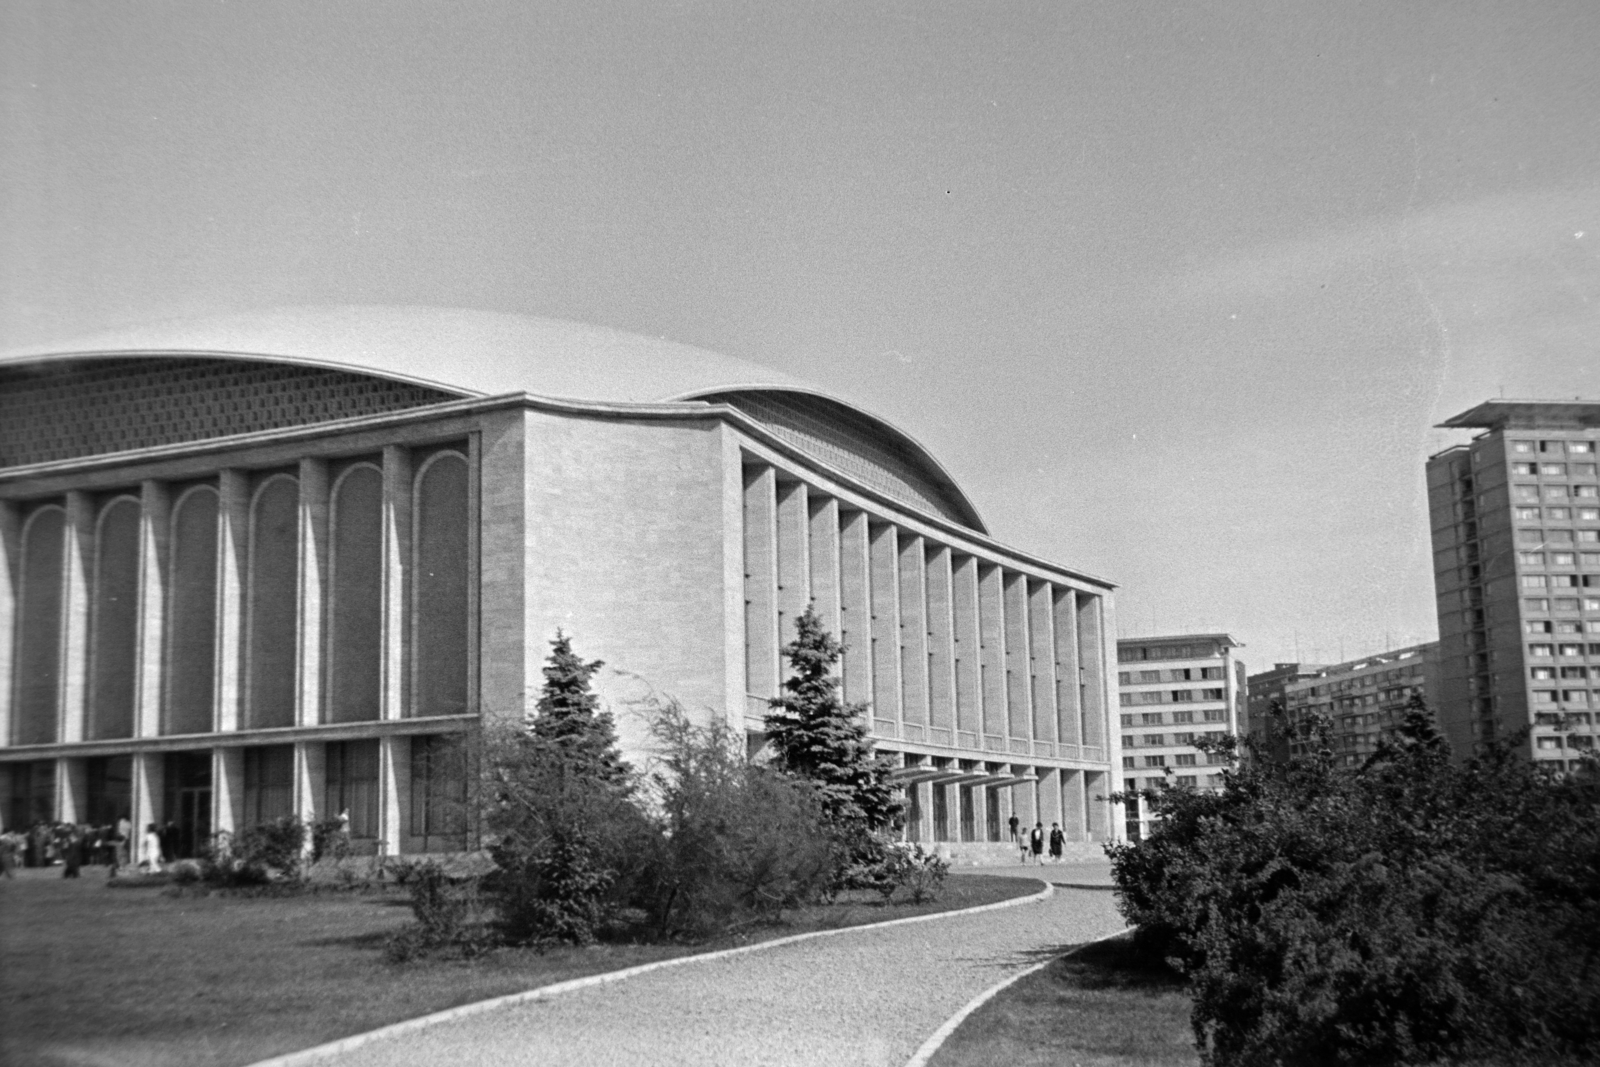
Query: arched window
{"points": [[272, 606], [440, 574], [355, 600], [38, 692], [192, 615], [114, 620]]}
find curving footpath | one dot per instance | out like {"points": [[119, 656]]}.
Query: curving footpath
{"points": [[866, 997]]}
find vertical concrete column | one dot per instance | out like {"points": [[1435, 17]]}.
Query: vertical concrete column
{"points": [[78, 573], [233, 547], [72, 789], [1042, 662], [760, 584], [1074, 819], [227, 790], [980, 814], [313, 586], [396, 572], [824, 544], [1049, 795], [1092, 662], [884, 564], [474, 570], [1019, 713], [855, 606], [992, 652], [1096, 787], [941, 645], [10, 604], [310, 782], [394, 793], [148, 793], [1069, 715], [966, 672], [912, 564], [793, 523], [155, 525]]}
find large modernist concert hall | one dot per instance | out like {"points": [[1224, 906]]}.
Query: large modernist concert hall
{"points": [[282, 563]]}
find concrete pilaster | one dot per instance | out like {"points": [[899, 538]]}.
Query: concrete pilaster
{"points": [[992, 653], [78, 571], [793, 523], [1019, 713], [148, 794], [855, 607], [824, 550], [913, 634], [1049, 796], [1069, 678], [1074, 817], [233, 534], [1042, 663], [760, 585], [941, 646], [227, 790], [396, 571], [155, 524], [10, 605], [313, 583], [310, 782], [72, 789], [394, 793], [884, 561]]}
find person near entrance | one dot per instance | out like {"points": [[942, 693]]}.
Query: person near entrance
{"points": [[1058, 841], [1013, 822], [1036, 842], [151, 849]]}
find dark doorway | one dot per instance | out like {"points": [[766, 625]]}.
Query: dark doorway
{"points": [[188, 800], [110, 787]]}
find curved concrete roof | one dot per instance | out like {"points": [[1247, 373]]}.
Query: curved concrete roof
{"points": [[473, 353]]}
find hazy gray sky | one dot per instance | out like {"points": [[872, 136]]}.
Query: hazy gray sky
{"points": [[1176, 291]]}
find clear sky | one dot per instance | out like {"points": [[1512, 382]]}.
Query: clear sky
{"points": [[1175, 290]]}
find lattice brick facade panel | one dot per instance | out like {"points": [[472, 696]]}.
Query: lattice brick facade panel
{"points": [[833, 436], [68, 409]]}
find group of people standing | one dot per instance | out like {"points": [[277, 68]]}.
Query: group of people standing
{"points": [[72, 846], [1034, 843]]}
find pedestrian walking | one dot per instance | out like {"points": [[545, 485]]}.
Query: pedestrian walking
{"points": [[1013, 822], [1036, 842], [72, 852], [1058, 841], [152, 849]]}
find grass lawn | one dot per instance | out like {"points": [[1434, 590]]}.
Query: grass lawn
{"points": [[1098, 1008], [94, 975]]}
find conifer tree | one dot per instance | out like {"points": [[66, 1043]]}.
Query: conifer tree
{"points": [[816, 736], [570, 724]]}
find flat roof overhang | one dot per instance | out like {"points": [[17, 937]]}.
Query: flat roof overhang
{"points": [[1574, 414]]}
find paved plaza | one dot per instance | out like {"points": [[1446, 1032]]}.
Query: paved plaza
{"points": [[858, 999]]}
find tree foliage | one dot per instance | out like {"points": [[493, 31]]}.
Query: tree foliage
{"points": [[817, 737], [1413, 910]]}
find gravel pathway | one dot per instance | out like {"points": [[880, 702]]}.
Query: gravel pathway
{"points": [[867, 998]]}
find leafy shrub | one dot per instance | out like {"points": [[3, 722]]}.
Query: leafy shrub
{"points": [[1411, 911], [887, 866], [329, 840], [271, 852], [448, 913], [737, 841]]}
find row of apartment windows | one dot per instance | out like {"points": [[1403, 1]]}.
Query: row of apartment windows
{"points": [[1546, 673], [1552, 491], [191, 583], [1557, 537], [1545, 651], [1139, 653], [1559, 626], [1160, 740], [1577, 741], [1177, 674], [1568, 603], [1171, 696], [1183, 781], [1557, 514], [1181, 759], [1554, 470], [1156, 718], [1554, 447], [1559, 559], [1560, 581]]}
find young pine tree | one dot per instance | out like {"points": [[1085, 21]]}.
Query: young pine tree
{"points": [[570, 724], [818, 737]]}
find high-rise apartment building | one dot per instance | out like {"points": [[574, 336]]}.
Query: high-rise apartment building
{"points": [[1364, 698], [1263, 690], [1175, 691], [1516, 543]]}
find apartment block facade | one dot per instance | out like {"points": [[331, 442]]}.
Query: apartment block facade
{"points": [[1363, 699], [1515, 516], [1174, 691]]}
